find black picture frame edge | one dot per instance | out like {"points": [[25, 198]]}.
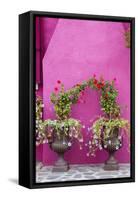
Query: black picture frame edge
{"points": [[27, 99]]}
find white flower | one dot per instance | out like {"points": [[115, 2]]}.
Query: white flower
{"points": [[105, 146], [100, 147], [87, 154], [117, 147], [119, 137], [109, 142], [95, 137], [62, 125], [69, 144], [96, 141], [83, 126], [89, 142]]}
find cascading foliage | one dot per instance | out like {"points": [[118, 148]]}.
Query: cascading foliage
{"points": [[40, 136]]}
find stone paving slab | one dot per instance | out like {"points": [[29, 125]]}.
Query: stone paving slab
{"points": [[79, 172]]}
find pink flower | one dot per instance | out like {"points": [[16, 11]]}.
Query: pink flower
{"points": [[56, 89], [82, 93], [58, 81], [114, 79]]}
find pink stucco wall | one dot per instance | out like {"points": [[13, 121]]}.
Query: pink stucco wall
{"points": [[77, 50]]}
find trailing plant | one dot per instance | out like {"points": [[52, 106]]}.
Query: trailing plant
{"points": [[103, 128], [68, 128], [38, 131]]}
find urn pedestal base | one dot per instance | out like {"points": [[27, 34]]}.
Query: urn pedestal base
{"points": [[111, 145], [60, 165], [60, 146], [111, 164]]}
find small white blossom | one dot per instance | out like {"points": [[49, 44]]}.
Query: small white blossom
{"points": [[119, 137], [96, 141], [100, 147], [95, 137], [81, 140], [69, 144], [109, 142]]}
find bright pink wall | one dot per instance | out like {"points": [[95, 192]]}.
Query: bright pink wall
{"points": [[44, 30], [77, 50]]}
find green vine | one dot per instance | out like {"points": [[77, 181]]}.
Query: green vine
{"points": [[63, 100]]}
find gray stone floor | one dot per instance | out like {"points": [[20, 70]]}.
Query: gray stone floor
{"points": [[79, 172]]}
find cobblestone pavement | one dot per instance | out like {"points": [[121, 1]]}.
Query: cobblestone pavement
{"points": [[79, 172]]}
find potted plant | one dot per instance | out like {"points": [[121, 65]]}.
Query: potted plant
{"points": [[39, 134], [61, 132], [107, 129]]}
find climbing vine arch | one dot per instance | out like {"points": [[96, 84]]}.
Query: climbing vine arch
{"points": [[63, 100]]}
